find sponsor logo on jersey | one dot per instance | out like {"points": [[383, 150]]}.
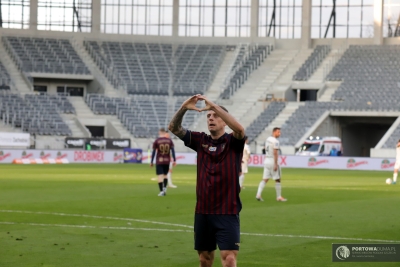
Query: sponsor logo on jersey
{"points": [[314, 162], [204, 146], [386, 164], [212, 148], [352, 163]]}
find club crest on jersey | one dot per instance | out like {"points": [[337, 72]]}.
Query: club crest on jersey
{"points": [[212, 148], [222, 147]]}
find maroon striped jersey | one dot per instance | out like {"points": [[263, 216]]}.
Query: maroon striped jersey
{"points": [[218, 168], [163, 146]]}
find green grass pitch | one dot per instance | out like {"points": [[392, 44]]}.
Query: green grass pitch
{"points": [[110, 215]]}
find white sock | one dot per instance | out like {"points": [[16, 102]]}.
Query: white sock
{"points": [[260, 188], [278, 189], [395, 177], [169, 178], [241, 179]]}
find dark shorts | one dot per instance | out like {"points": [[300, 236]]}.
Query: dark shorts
{"points": [[162, 169], [211, 230]]}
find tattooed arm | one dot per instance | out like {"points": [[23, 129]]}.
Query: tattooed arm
{"points": [[175, 125]]}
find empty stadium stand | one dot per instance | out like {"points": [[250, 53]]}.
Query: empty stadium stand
{"points": [[147, 68], [36, 114], [264, 119], [369, 76], [249, 59], [393, 139], [312, 63], [45, 55], [103, 105], [5, 80], [142, 115]]}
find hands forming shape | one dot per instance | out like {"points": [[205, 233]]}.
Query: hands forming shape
{"points": [[190, 103]]}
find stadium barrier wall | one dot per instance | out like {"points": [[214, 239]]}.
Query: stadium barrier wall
{"points": [[256, 160], [73, 156], [336, 163]]}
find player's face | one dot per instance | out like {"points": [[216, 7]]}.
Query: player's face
{"points": [[214, 122], [277, 133]]}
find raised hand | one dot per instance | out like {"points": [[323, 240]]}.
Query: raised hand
{"points": [[208, 102], [190, 103]]}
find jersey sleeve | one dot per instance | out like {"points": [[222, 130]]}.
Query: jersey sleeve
{"points": [[155, 145], [237, 144], [192, 139], [171, 144], [276, 144]]}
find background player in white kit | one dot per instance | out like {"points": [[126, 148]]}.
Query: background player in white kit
{"points": [[245, 161], [271, 166], [171, 165], [397, 164]]}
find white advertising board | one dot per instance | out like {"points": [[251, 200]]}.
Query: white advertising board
{"points": [[14, 139], [256, 160], [73, 156], [336, 163]]}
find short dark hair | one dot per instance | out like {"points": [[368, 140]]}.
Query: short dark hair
{"points": [[162, 130], [275, 129], [224, 108]]}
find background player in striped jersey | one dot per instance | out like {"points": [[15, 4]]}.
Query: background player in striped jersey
{"points": [[245, 161], [271, 166], [219, 156], [162, 149]]}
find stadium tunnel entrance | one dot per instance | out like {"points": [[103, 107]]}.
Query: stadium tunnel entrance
{"points": [[358, 133]]}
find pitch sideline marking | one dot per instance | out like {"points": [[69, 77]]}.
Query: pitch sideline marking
{"points": [[96, 227], [96, 217], [167, 230], [189, 231]]}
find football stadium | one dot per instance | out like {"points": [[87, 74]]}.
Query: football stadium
{"points": [[88, 88]]}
